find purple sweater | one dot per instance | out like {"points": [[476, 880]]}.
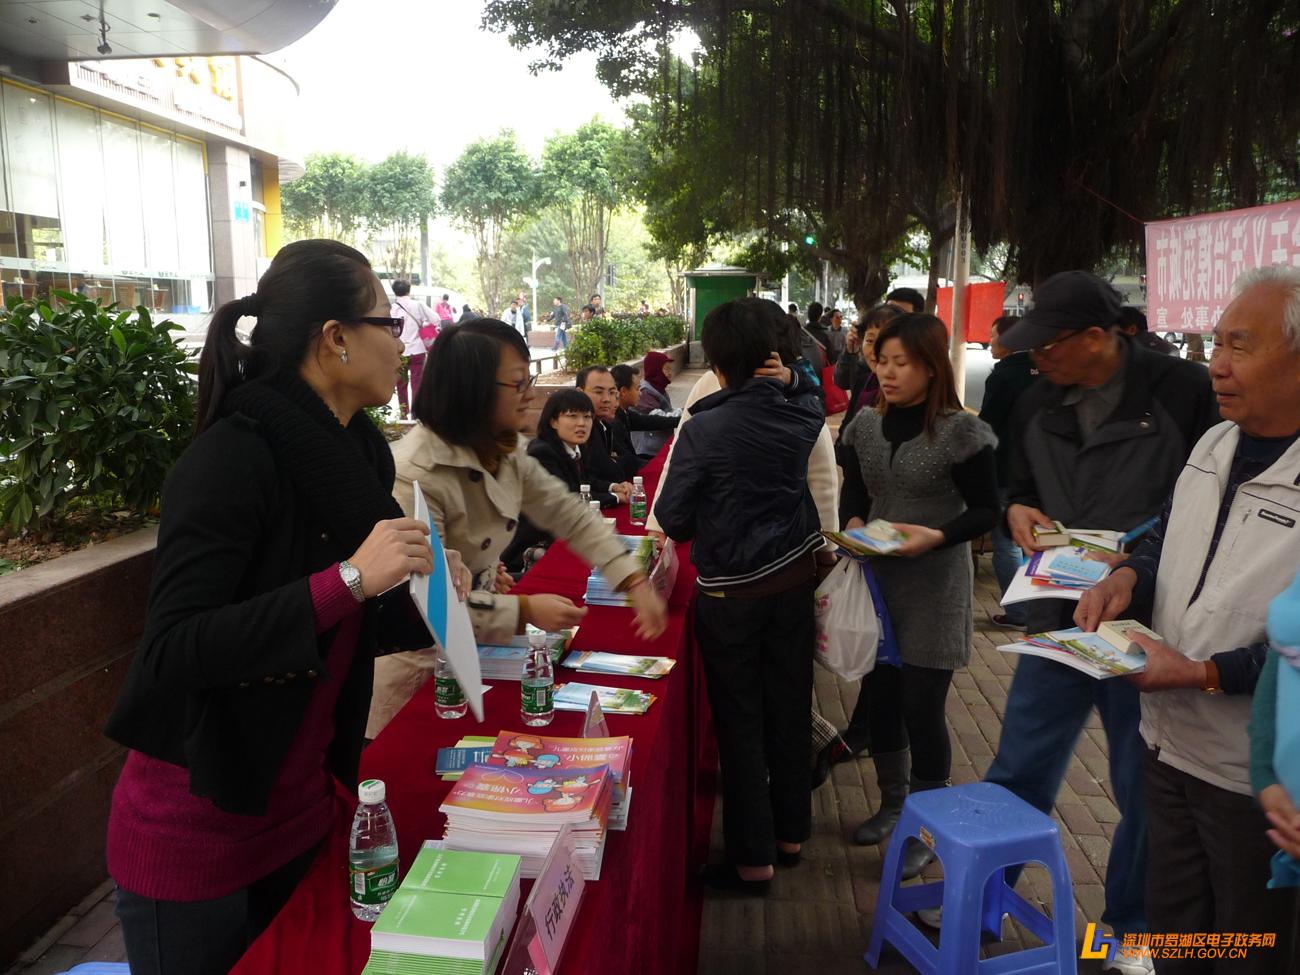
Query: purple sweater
{"points": [[168, 844]]}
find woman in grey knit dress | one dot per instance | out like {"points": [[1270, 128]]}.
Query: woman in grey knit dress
{"points": [[922, 463]]}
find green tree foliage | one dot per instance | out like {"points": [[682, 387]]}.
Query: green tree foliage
{"points": [[1063, 126], [93, 401], [328, 200], [488, 190], [398, 198], [584, 180]]}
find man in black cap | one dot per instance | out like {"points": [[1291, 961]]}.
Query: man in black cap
{"points": [[1099, 445]]}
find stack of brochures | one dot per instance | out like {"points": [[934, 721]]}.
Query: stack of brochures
{"points": [[451, 916], [613, 700], [1063, 572], [1110, 652], [521, 749], [877, 537], [599, 590], [470, 750], [521, 810], [597, 662], [506, 661]]}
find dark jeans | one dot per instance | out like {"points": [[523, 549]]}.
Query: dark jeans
{"points": [[1209, 872], [204, 937], [758, 661], [903, 707], [1046, 710]]}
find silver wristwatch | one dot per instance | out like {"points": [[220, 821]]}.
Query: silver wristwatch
{"points": [[352, 578]]}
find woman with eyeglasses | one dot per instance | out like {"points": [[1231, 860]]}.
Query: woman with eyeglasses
{"points": [[478, 482], [563, 432], [249, 690]]}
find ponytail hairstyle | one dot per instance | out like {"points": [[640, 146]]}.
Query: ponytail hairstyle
{"points": [[308, 283]]}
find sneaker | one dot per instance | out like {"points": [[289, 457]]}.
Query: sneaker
{"points": [[1128, 964], [1006, 622]]}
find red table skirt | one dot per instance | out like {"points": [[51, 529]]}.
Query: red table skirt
{"points": [[643, 915]]}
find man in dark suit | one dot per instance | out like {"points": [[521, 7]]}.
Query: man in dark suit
{"points": [[628, 381], [612, 453]]}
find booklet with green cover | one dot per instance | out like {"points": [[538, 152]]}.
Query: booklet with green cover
{"points": [[463, 872], [425, 922]]}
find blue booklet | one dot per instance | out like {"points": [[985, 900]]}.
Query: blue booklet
{"points": [[451, 760]]}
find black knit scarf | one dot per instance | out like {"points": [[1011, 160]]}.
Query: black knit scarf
{"points": [[345, 473]]}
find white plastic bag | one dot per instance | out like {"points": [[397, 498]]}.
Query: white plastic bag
{"points": [[848, 629]]}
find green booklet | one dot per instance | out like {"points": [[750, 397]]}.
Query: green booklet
{"points": [[425, 922], [463, 872], [400, 963]]}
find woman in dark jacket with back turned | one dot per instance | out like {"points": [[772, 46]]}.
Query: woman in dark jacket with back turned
{"points": [[249, 689]]}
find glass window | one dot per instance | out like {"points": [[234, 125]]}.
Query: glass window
{"points": [[4, 164], [195, 256], [124, 208], [159, 200], [81, 185], [29, 149], [8, 235]]}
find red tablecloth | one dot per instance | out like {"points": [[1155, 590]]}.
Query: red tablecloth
{"points": [[643, 915]]}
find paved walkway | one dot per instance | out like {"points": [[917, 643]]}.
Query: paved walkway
{"points": [[818, 917]]}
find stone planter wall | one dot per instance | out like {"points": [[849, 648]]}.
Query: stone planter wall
{"points": [[68, 629]]}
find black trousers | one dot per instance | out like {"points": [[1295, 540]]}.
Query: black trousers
{"points": [[1208, 871], [903, 707], [204, 937], [758, 660]]}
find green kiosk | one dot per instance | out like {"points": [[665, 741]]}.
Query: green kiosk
{"points": [[710, 286]]}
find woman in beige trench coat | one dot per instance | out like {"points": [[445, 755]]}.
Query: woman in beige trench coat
{"points": [[477, 479]]}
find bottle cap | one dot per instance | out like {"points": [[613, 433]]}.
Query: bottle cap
{"points": [[638, 479], [371, 791], [537, 641], [593, 505], [584, 488]]}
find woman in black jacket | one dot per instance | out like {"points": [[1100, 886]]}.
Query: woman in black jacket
{"points": [[248, 692], [561, 446]]}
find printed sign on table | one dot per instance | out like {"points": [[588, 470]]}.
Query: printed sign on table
{"points": [[548, 914], [446, 616], [594, 724], [1192, 261]]}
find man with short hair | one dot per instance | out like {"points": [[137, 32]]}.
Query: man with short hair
{"points": [[908, 299], [597, 306], [628, 381], [513, 317], [610, 445], [1211, 587], [1099, 445]]}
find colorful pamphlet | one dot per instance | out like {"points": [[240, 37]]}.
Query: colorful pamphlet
{"points": [[615, 700], [600, 662], [877, 537], [1089, 653], [600, 592], [506, 661], [519, 749]]}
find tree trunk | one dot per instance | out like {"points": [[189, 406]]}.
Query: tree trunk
{"points": [[425, 271]]}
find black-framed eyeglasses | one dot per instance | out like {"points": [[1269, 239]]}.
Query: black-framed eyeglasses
{"points": [[522, 386], [394, 325]]}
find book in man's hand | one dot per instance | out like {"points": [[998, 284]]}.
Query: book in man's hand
{"points": [[1107, 653]]}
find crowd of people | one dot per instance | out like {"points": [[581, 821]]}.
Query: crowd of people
{"points": [[279, 640]]}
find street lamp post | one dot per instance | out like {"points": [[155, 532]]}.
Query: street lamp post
{"points": [[532, 281]]}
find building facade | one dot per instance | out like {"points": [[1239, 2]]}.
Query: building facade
{"points": [[150, 182]]}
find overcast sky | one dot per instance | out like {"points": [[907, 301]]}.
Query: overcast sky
{"points": [[422, 75]]}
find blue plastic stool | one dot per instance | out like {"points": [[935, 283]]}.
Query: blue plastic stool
{"points": [[977, 830], [99, 968]]}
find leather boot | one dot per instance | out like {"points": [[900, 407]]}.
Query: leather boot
{"points": [[891, 775], [916, 855]]}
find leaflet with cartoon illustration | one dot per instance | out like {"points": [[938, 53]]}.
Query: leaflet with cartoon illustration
{"points": [[515, 749], [541, 797]]}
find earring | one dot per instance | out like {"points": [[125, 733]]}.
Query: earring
{"points": [[344, 356]]}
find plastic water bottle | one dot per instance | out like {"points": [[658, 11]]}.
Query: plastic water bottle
{"points": [[637, 502], [584, 493], [594, 507], [372, 853], [449, 699], [537, 688]]}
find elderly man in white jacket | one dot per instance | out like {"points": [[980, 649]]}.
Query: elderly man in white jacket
{"points": [[1229, 541]]}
